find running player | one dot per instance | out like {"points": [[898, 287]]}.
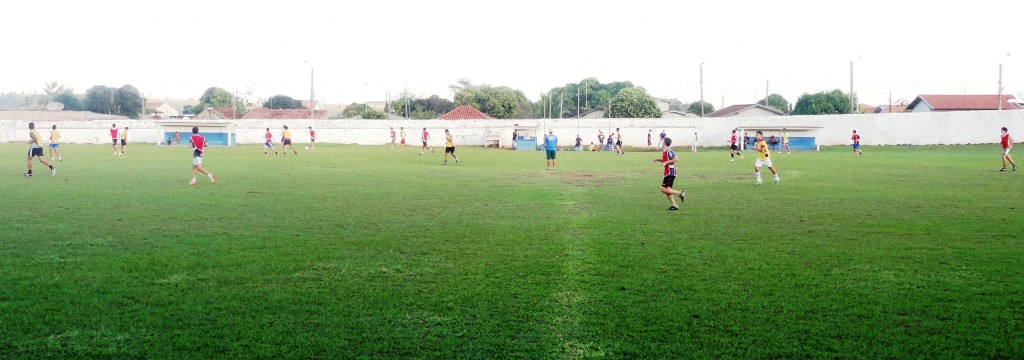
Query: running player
{"points": [[286, 141], [785, 141], [312, 139], [668, 160], [763, 158], [269, 143], [198, 144], [35, 150], [449, 147], [402, 131], [551, 148], [1007, 142], [124, 139], [392, 138], [55, 144], [426, 137], [856, 144], [618, 142], [113, 137], [734, 149]]}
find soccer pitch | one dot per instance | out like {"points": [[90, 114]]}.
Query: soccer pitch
{"points": [[367, 251]]}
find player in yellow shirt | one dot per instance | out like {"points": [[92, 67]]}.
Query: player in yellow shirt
{"points": [[286, 141], [449, 147], [35, 150], [124, 139], [55, 144], [764, 157], [785, 142]]}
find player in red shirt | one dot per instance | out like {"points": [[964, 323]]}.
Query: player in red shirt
{"points": [[198, 144], [1007, 142], [426, 137], [734, 148], [668, 160], [312, 139], [269, 143], [856, 144], [392, 138], [113, 136]]}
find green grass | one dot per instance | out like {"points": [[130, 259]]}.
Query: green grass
{"points": [[364, 251]]}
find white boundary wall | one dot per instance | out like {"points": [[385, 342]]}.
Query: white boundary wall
{"points": [[969, 127]]}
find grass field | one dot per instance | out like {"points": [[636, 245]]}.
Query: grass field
{"points": [[364, 251]]}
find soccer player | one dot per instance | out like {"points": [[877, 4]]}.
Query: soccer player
{"points": [[269, 143], [733, 147], [392, 138], [1007, 142], [124, 139], [649, 139], [600, 138], [668, 160], [113, 137], [312, 139], [551, 148], [198, 144], [579, 143], [763, 158], [402, 131], [55, 144], [693, 148], [286, 141], [785, 141], [618, 142], [426, 137], [35, 150], [856, 144], [449, 147], [661, 141]]}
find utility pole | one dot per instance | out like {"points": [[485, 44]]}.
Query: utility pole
{"points": [[561, 100], [1000, 97], [851, 88], [766, 82], [701, 89], [312, 95], [578, 100]]}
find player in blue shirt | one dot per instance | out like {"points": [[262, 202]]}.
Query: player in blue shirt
{"points": [[551, 148]]}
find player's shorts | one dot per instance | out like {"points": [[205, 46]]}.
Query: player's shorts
{"points": [[550, 154], [785, 143], [1006, 151], [268, 144], [856, 146], [668, 180], [115, 141], [286, 142], [54, 146], [424, 144], [392, 139], [734, 147], [124, 142], [403, 141], [35, 152], [618, 143], [758, 163], [449, 150], [197, 157], [312, 139]]}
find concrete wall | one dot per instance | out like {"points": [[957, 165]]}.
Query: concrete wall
{"points": [[972, 127]]}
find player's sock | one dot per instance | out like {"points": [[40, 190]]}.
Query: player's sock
{"points": [[758, 175]]}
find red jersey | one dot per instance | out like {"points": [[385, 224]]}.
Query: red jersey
{"points": [[856, 139], [426, 136], [113, 133], [667, 155], [732, 140], [198, 142], [312, 133], [270, 138], [1005, 141], [392, 134]]}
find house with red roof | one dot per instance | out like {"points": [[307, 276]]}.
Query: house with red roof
{"points": [[745, 110], [221, 113], [928, 103], [465, 112], [881, 109], [263, 113]]}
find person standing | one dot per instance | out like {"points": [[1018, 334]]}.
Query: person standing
{"points": [[579, 143], [661, 140], [600, 138], [668, 160], [618, 142], [693, 147], [426, 137], [55, 144], [286, 141], [733, 148], [312, 139], [392, 138], [402, 132], [551, 149], [35, 150], [785, 141], [649, 139], [515, 137], [198, 145], [763, 158], [269, 143], [124, 139], [449, 147], [113, 137], [1007, 142], [746, 141], [856, 144]]}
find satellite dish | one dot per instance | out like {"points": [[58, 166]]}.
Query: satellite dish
{"points": [[54, 106]]}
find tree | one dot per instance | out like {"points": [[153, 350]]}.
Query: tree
{"points": [[69, 100], [498, 102], [695, 108], [833, 102], [429, 108], [592, 94], [371, 113], [52, 88], [219, 98], [283, 102], [128, 101], [99, 99], [634, 103], [776, 102]]}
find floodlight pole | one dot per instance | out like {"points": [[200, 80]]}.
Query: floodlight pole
{"points": [[701, 89]]}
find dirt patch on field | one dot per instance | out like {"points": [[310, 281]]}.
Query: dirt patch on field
{"points": [[586, 178]]}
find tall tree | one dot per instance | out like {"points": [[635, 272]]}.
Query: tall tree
{"points": [[777, 102], [832, 102], [282, 102], [219, 98], [634, 103], [695, 108], [100, 99], [70, 101], [498, 102], [52, 88], [588, 93], [128, 101]]}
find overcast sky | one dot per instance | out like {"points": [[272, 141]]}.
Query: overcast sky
{"points": [[362, 49]]}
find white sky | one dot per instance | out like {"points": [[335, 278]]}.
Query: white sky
{"points": [[362, 49]]}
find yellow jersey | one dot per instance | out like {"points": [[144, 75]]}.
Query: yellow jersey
{"points": [[124, 134], [448, 141], [785, 137], [763, 147], [36, 139], [287, 134], [54, 136]]}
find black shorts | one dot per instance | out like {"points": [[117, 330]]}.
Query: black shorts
{"points": [[124, 142], [424, 144], [734, 147], [449, 150], [312, 139], [668, 181], [618, 143], [35, 152], [286, 142], [115, 141]]}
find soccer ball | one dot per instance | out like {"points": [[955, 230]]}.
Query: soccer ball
{"points": [[307, 148]]}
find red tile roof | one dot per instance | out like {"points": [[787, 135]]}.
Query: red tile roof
{"points": [[226, 112], [732, 110], [963, 102], [264, 113], [464, 112], [865, 108], [890, 109]]}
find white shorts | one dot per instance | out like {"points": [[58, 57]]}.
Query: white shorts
{"points": [[758, 163], [198, 160], [1006, 151]]}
